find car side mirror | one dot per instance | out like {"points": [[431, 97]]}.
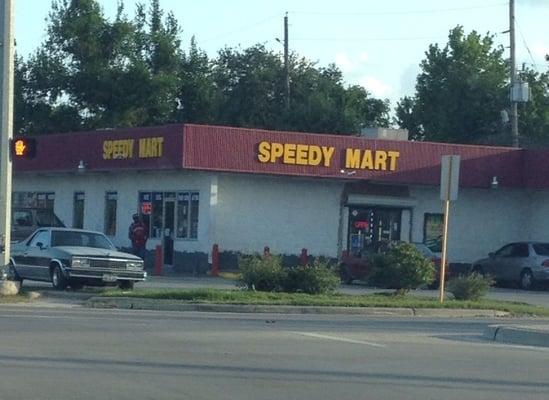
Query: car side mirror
{"points": [[41, 245], [491, 255]]}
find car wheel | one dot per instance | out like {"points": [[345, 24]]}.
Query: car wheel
{"points": [[13, 275], [126, 285], [526, 280], [58, 280]]}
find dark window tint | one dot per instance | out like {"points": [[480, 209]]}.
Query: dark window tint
{"points": [[45, 217], [541, 249], [520, 250]]}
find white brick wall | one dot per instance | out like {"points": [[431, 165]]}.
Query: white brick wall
{"points": [[286, 214]]}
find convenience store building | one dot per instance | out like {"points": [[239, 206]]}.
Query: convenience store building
{"points": [[245, 189]]}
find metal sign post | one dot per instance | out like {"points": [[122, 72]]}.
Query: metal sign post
{"points": [[449, 184]]}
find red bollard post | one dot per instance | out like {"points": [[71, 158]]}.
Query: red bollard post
{"points": [[304, 258], [158, 260], [215, 260], [266, 251]]}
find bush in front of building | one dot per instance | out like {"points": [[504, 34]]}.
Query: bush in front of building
{"points": [[318, 278], [470, 287], [401, 267], [263, 273]]}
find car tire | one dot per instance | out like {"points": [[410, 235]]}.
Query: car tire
{"points": [[58, 280], [13, 275], [526, 280], [126, 285]]}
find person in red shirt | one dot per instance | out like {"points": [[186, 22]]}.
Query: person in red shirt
{"points": [[138, 236]]}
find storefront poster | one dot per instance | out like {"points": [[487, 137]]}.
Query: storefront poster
{"points": [[432, 236]]}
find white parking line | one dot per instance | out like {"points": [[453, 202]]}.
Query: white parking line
{"points": [[338, 339]]}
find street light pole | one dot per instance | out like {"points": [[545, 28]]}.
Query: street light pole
{"points": [[7, 57], [513, 71]]}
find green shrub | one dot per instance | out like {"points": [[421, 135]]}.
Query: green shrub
{"points": [[402, 267], [471, 287], [313, 279], [261, 273]]}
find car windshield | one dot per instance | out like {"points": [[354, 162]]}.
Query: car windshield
{"points": [[541, 249], [47, 218], [423, 249], [76, 238]]}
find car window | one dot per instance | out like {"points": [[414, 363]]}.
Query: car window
{"points": [[40, 237], [22, 218], [423, 249], [78, 238], [46, 217], [541, 249], [520, 250], [505, 251]]}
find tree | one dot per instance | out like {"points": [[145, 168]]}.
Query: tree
{"points": [[460, 91], [534, 114], [196, 98]]}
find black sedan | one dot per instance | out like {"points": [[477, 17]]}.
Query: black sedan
{"points": [[74, 257]]}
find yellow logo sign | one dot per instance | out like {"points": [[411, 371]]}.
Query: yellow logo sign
{"points": [[312, 155], [121, 149]]}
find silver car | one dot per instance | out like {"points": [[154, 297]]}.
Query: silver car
{"points": [[526, 263], [73, 257]]}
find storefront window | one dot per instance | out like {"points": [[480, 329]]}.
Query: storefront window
{"points": [[156, 215], [33, 199], [110, 213], [432, 232], [194, 215], [183, 215], [78, 210]]}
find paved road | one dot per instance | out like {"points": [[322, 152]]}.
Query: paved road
{"points": [[113, 354]]}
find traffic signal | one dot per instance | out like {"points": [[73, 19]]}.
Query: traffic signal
{"points": [[23, 147]]}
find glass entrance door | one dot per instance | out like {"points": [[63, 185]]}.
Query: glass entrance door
{"points": [[372, 228]]}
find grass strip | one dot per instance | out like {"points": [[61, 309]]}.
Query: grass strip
{"points": [[218, 296]]}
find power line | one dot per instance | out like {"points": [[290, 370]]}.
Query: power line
{"points": [[371, 39], [407, 12], [242, 29], [527, 48]]}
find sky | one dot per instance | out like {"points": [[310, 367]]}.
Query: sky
{"points": [[376, 44]]}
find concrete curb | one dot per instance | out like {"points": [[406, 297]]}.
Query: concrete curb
{"points": [[523, 335], [175, 305]]}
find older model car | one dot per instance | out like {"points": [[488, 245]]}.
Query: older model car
{"points": [[74, 257], [526, 263]]}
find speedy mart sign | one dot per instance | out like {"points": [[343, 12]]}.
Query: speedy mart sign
{"points": [[313, 155]]}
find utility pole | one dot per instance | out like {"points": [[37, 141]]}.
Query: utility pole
{"points": [[286, 63], [6, 122], [514, 108]]}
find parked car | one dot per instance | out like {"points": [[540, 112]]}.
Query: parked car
{"points": [[73, 257], [356, 267], [525, 263]]}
